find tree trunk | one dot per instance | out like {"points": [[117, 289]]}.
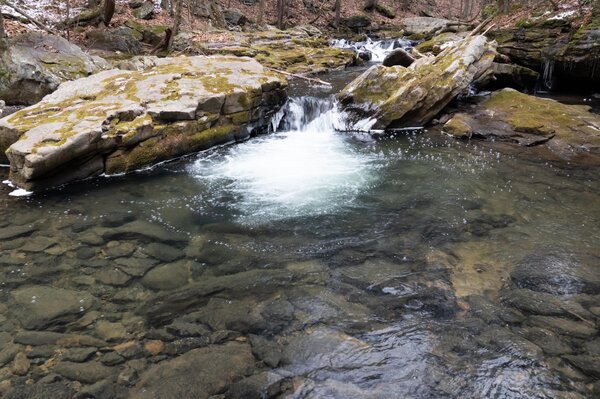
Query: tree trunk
{"points": [[261, 12], [370, 5], [281, 4], [467, 8], [338, 11], [3, 40], [503, 6], [177, 22], [596, 9]]}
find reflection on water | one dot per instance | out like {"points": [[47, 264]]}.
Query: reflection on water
{"points": [[331, 266]]}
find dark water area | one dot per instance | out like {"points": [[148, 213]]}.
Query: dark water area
{"points": [[309, 264]]}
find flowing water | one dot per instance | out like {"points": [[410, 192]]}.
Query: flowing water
{"points": [[415, 267]]}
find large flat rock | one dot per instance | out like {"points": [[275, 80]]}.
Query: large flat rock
{"points": [[117, 121]]}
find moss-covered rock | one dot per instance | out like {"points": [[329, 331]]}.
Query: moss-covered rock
{"points": [[131, 119], [567, 132], [398, 96], [37, 63]]}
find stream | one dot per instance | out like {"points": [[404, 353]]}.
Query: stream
{"points": [[343, 266]]}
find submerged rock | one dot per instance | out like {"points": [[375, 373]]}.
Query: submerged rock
{"points": [[398, 96], [213, 370], [117, 121], [568, 132], [37, 63]]}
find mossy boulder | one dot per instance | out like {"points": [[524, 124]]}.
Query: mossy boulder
{"points": [[397, 96], [565, 132], [438, 43], [37, 63], [117, 120]]}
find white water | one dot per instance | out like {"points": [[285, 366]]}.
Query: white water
{"points": [[377, 48], [305, 169]]}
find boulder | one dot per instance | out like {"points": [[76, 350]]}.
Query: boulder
{"points": [[564, 132], [144, 11], [438, 43], [117, 121], [398, 56], [423, 26], [235, 17], [356, 23], [397, 96], [37, 63], [120, 39]]}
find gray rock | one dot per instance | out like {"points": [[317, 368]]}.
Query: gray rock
{"points": [[54, 390], [78, 355], [170, 379], [36, 338], [40, 307], [263, 385], [163, 252], [8, 353], [11, 232], [167, 277], [586, 363], [112, 359], [398, 56], [120, 39], [423, 26], [113, 277], [145, 11], [104, 389], [543, 304], [38, 63], [89, 372], [356, 23], [577, 329], [136, 267], [235, 17]]}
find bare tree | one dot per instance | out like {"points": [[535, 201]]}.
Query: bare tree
{"points": [[3, 41], [176, 22], [281, 11], [261, 12], [467, 8], [338, 11], [108, 11], [503, 6]]}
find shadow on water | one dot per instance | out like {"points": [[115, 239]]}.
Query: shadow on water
{"points": [[351, 268]]}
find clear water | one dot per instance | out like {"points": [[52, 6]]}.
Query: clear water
{"points": [[399, 256]]}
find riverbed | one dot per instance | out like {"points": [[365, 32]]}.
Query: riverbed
{"points": [[309, 263]]}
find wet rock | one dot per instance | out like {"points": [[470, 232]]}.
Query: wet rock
{"points": [[54, 390], [398, 56], [116, 219], [110, 331], [222, 314], [40, 307], [116, 249], [167, 277], [89, 372], [20, 364], [130, 373], [577, 329], [37, 338], [8, 353], [559, 132], [557, 272], [38, 244], [100, 390], [235, 17], [170, 379], [144, 11], [147, 124], [184, 345], [543, 304], [144, 230], [85, 252], [586, 363], [268, 351], [163, 252], [10, 232], [263, 385], [399, 97], [113, 277], [182, 328], [551, 343], [112, 359], [134, 266], [78, 355], [38, 63]]}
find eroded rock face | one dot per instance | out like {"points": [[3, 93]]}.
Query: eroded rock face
{"points": [[398, 96], [38, 63], [567, 132], [560, 46], [117, 121]]}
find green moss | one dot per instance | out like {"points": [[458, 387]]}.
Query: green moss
{"points": [[458, 126]]}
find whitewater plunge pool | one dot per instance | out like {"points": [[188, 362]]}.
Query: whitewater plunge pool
{"points": [[308, 264]]}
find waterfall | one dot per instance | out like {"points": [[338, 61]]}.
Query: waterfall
{"points": [[547, 75], [373, 50]]}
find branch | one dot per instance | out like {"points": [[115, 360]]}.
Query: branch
{"points": [[23, 13], [319, 81]]}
